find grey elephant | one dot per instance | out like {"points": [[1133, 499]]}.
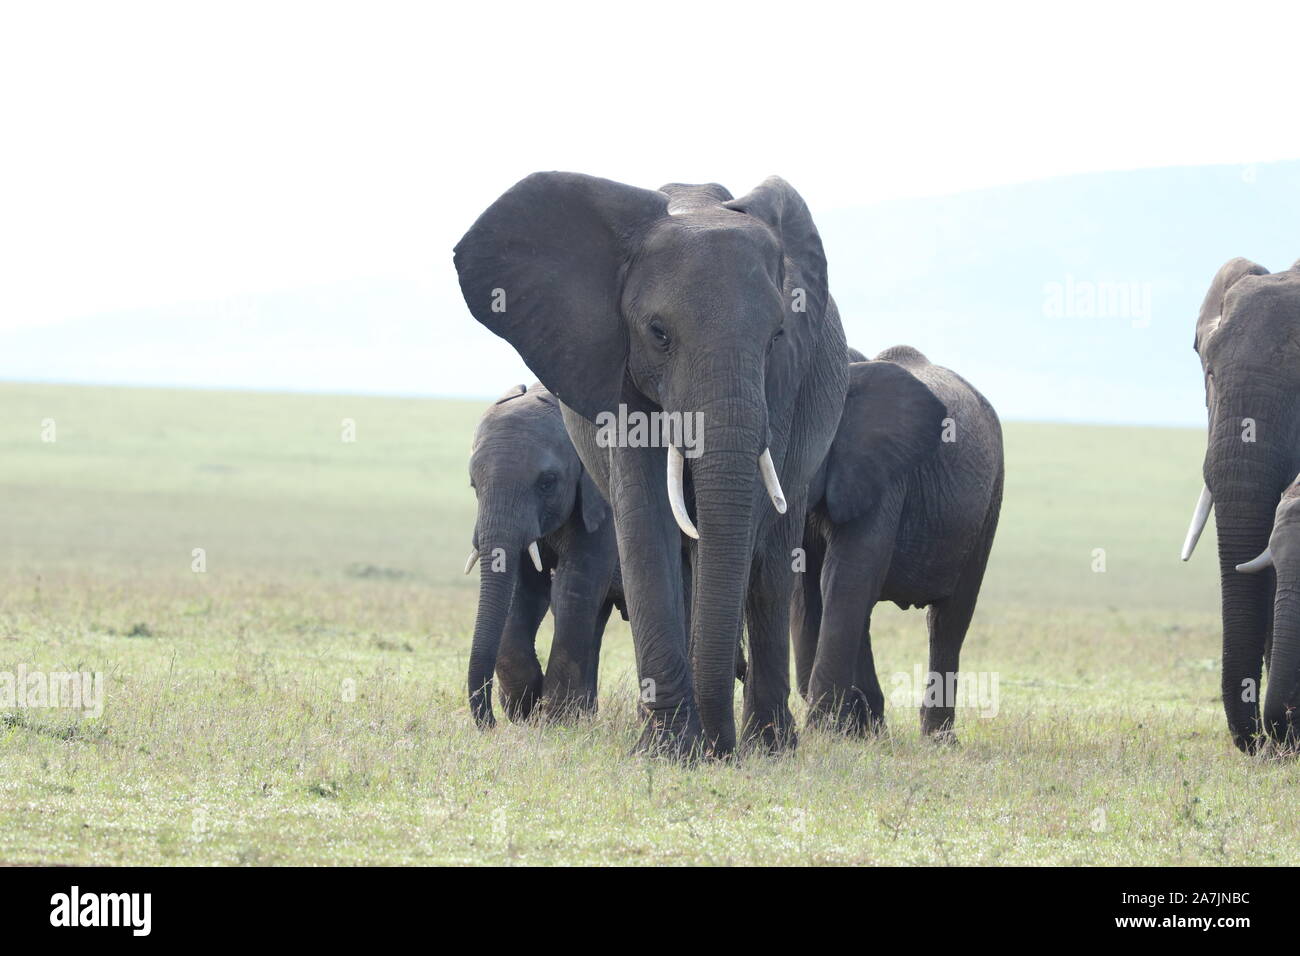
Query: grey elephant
{"points": [[539, 514], [1248, 340], [700, 360], [904, 509]]}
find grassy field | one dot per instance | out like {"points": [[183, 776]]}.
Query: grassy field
{"points": [[302, 699]]}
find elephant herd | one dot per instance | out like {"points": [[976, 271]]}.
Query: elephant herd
{"points": [[774, 484]]}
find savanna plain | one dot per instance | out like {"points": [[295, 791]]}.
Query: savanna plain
{"points": [[301, 700]]}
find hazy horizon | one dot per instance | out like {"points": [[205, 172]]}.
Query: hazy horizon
{"points": [[989, 282], [267, 197]]}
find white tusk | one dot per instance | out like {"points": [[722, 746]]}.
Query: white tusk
{"points": [[1265, 560], [676, 496], [770, 481], [1199, 517], [473, 560], [536, 555]]}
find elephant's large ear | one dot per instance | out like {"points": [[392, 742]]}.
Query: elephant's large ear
{"points": [[594, 509], [891, 423], [776, 203], [1207, 323], [543, 269]]}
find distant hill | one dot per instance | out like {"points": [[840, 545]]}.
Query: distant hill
{"points": [[1067, 299], [976, 280]]}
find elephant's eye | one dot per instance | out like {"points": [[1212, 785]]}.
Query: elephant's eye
{"points": [[546, 483], [772, 341], [661, 336]]}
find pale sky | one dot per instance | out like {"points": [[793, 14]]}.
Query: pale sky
{"points": [[165, 153]]}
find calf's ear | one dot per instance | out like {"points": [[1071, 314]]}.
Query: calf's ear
{"points": [[892, 422]]}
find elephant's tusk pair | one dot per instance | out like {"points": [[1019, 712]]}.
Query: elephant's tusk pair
{"points": [[533, 553], [1265, 560], [677, 496], [1199, 517]]}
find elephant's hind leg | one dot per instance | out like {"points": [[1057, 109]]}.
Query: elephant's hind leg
{"points": [[949, 621]]}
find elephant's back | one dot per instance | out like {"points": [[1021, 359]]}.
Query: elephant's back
{"points": [[953, 498]]}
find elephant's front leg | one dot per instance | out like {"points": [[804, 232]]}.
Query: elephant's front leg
{"points": [[519, 673], [649, 548], [578, 600], [767, 720]]}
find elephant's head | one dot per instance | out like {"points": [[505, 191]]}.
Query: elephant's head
{"points": [[529, 482], [1281, 721], [1248, 340], [680, 293], [892, 423], [683, 300]]}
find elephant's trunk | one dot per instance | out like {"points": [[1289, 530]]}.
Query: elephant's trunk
{"points": [[500, 543], [495, 593], [725, 478], [1244, 521], [1246, 468], [1280, 719]]}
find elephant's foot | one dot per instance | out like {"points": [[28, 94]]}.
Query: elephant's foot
{"points": [[675, 734], [1256, 745], [846, 712], [771, 732], [568, 708], [519, 705], [937, 723]]}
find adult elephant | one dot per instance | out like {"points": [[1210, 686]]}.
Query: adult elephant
{"points": [[1248, 339], [904, 509], [682, 300], [542, 538]]}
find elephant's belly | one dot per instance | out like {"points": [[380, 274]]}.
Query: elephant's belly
{"points": [[925, 567]]}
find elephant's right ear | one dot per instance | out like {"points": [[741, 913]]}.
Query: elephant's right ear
{"points": [[543, 269], [1207, 323], [892, 422]]}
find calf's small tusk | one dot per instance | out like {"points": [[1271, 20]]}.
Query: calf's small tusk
{"points": [[1265, 560], [536, 555], [473, 560]]}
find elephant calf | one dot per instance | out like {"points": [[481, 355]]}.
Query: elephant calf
{"points": [[538, 513], [904, 508]]}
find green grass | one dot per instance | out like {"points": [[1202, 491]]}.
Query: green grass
{"points": [[228, 735]]}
